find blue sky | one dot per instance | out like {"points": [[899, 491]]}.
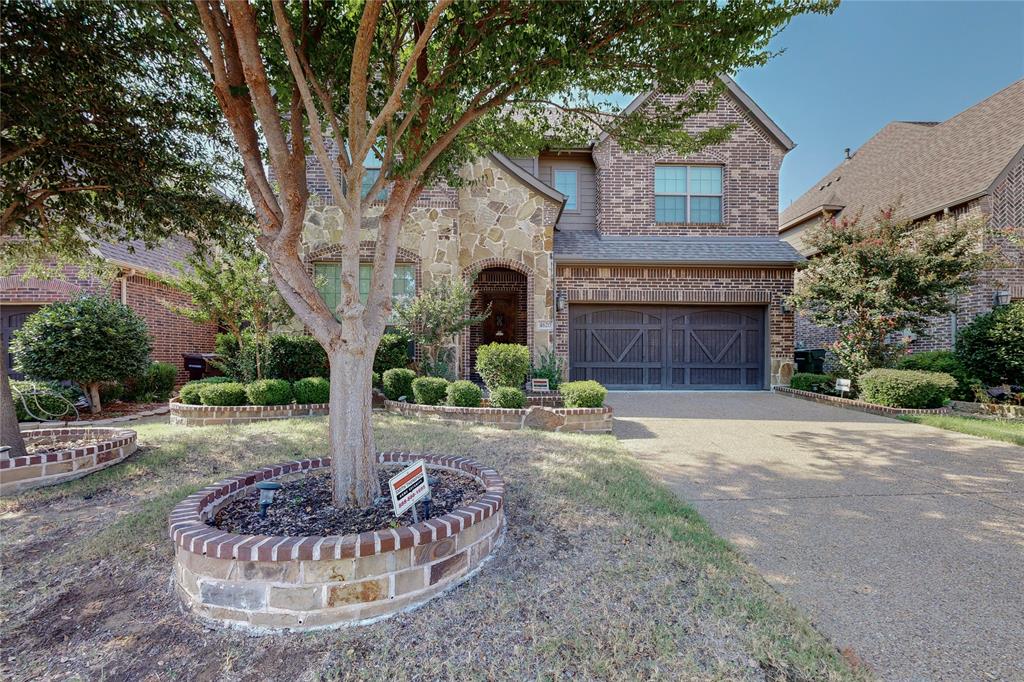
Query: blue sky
{"points": [[842, 77]]}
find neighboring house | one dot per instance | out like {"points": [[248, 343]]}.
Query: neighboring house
{"points": [[639, 270], [137, 285], [972, 163]]}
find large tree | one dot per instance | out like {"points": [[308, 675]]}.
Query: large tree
{"points": [[424, 87], [877, 280], [106, 132]]}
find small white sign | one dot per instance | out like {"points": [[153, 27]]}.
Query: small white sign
{"points": [[408, 487], [545, 325], [540, 385], [843, 385]]}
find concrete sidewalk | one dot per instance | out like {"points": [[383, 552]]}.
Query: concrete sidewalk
{"points": [[904, 543]]}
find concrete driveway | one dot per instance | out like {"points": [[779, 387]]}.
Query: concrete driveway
{"points": [[904, 543]]}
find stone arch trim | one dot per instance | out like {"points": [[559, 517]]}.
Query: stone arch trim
{"points": [[471, 271], [367, 248]]}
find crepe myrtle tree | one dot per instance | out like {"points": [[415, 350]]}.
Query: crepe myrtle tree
{"points": [[425, 87]]}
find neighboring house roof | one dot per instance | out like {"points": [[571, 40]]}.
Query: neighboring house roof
{"points": [[587, 246], [926, 166], [161, 259], [742, 99]]}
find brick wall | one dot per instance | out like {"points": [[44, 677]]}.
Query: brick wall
{"points": [[750, 162], [683, 285]]}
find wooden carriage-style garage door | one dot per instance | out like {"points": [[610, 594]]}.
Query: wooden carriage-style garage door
{"points": [[675, 347]]}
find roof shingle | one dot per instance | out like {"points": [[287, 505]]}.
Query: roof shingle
{"points": [[587, 246]]}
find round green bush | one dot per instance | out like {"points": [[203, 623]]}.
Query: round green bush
{"points": [[229, 393], [429, 390], [43, 400], [294, 356], [503, 364], [508, 397], [397, 383], [807, 381], [991, 347], [269, 392], [943, 361], [311, 390], [189, 393], [906, 388], [89, 340], [464, 393], [583, 394]]}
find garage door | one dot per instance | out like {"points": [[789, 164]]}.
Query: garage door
{"points": [[673, 347]]}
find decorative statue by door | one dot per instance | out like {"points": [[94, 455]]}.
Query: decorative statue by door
{"points": [[500, 326]]}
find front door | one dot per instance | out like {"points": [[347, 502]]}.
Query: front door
{"points": [[500, 325], [11, 319]]}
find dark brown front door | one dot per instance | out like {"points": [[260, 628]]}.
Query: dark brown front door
{"points": [[500, 325], [11, 319], [673, 347]]}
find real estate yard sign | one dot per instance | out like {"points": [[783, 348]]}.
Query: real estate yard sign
{"points": [[408, 487]]}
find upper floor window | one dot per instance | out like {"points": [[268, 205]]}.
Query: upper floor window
{"points": [[328, 282], [567, 183], [370, 176], [687, 194]]}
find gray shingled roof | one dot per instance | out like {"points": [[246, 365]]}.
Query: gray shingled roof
{"points": [[587, 246], [929, 166], [160, 259]]}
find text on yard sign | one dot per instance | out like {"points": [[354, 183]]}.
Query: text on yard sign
{"points": [[408, 487]]}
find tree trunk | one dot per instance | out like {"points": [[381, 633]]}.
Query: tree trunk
{"points": [[10, 434], [94, 397], [353, 455]]}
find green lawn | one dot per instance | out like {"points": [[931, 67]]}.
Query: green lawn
{"points": [[1011, 431], [604, 574]]}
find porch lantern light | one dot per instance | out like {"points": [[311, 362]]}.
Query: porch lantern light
{"points": [[561, 302], [1001, 297], [267, 490], [786, 307]]}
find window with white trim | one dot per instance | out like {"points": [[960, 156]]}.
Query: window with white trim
{"points": [[688, 194], [328, 282], [567, 182]]}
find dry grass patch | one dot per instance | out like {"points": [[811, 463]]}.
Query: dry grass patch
{"points": [[603, 575]]}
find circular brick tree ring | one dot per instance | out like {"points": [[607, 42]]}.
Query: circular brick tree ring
{"points": [[277, 583], [57, 466]]}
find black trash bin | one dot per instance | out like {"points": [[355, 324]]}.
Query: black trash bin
{"points": [[198, 365]]}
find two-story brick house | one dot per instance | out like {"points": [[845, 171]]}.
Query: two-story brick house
{"points": [[972, 163], [640, 270]]}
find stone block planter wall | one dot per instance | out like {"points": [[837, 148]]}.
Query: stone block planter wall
{"points": [[578, 419], [210, 415], [273, 584], [35, 471], [859, 405], [1004, 410]]}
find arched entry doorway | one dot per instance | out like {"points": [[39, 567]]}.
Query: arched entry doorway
{"points": [[506, 291]]}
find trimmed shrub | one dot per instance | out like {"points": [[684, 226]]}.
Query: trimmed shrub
{"points": [[311, 390], [583, 394], [429, 390], [156, 384], [294, 356], [464, 393], [189, 393], [45, 400], [503, 364], [508, 397], [906, 388], [943, 361], [397, 383], [806, 381], [228, 393], [991, 347], [269, 392], [392, 353]]}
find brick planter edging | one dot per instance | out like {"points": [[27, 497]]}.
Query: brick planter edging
{"points": [[184, 414], [564, 419], [280, 583], [35, 471], [859, 405]]}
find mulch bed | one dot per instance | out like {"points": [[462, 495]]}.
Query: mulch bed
{"points": [[303, 507], [47, 444], [118, 408]]}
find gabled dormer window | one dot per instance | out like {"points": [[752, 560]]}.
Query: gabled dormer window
{"points": [[567, 183], [688, 194]]}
